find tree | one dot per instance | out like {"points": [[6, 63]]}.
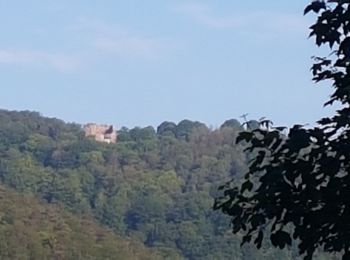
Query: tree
{"points": [[298, 183], [233, 123], [185, 128], [166, 128]]}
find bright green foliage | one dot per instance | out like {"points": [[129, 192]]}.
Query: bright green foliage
{"points": [[153, 187]]}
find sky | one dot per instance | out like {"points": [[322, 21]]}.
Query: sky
{"points": [[139, 63]]}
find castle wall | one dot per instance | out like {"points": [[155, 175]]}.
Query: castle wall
{"points": [[99, 132]]}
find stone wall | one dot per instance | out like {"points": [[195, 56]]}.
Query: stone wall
{"points": [[101, 133]]}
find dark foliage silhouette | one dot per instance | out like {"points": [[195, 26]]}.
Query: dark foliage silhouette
{"points": [[298, 183]]}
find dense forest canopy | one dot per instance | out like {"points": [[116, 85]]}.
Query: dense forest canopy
{"points": [[155, 187], [30, 229]]}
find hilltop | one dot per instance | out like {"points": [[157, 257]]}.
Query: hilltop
{"points": [[154, 188]]}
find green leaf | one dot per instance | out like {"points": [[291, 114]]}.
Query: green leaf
{"points": [[259, 239], [248, 185], [244, 136], [315, 6], [281, 239]]}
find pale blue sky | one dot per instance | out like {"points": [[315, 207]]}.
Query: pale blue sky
{"points": [[138, 63]]}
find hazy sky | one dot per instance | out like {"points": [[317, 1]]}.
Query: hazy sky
{"points": [[138, 63]]}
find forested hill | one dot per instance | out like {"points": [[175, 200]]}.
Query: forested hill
{"points": [[33, 230], [155, 186]]}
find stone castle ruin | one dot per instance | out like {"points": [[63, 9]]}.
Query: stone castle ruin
{"points": [[101, 133]]}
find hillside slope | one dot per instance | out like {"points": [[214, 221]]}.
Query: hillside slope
{"points": [[30, 229], [154, 187]]}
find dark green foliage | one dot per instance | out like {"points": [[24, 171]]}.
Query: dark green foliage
{"points": [[33, 230], [152, 188], [297, 185], [167, 128], [156, 188], [186, 127], [232, 123]]}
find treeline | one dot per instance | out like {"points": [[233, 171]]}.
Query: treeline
{"points": [[155, 186]]}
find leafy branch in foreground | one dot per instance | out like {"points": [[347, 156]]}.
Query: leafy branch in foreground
{"points": [[298, 183]]}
